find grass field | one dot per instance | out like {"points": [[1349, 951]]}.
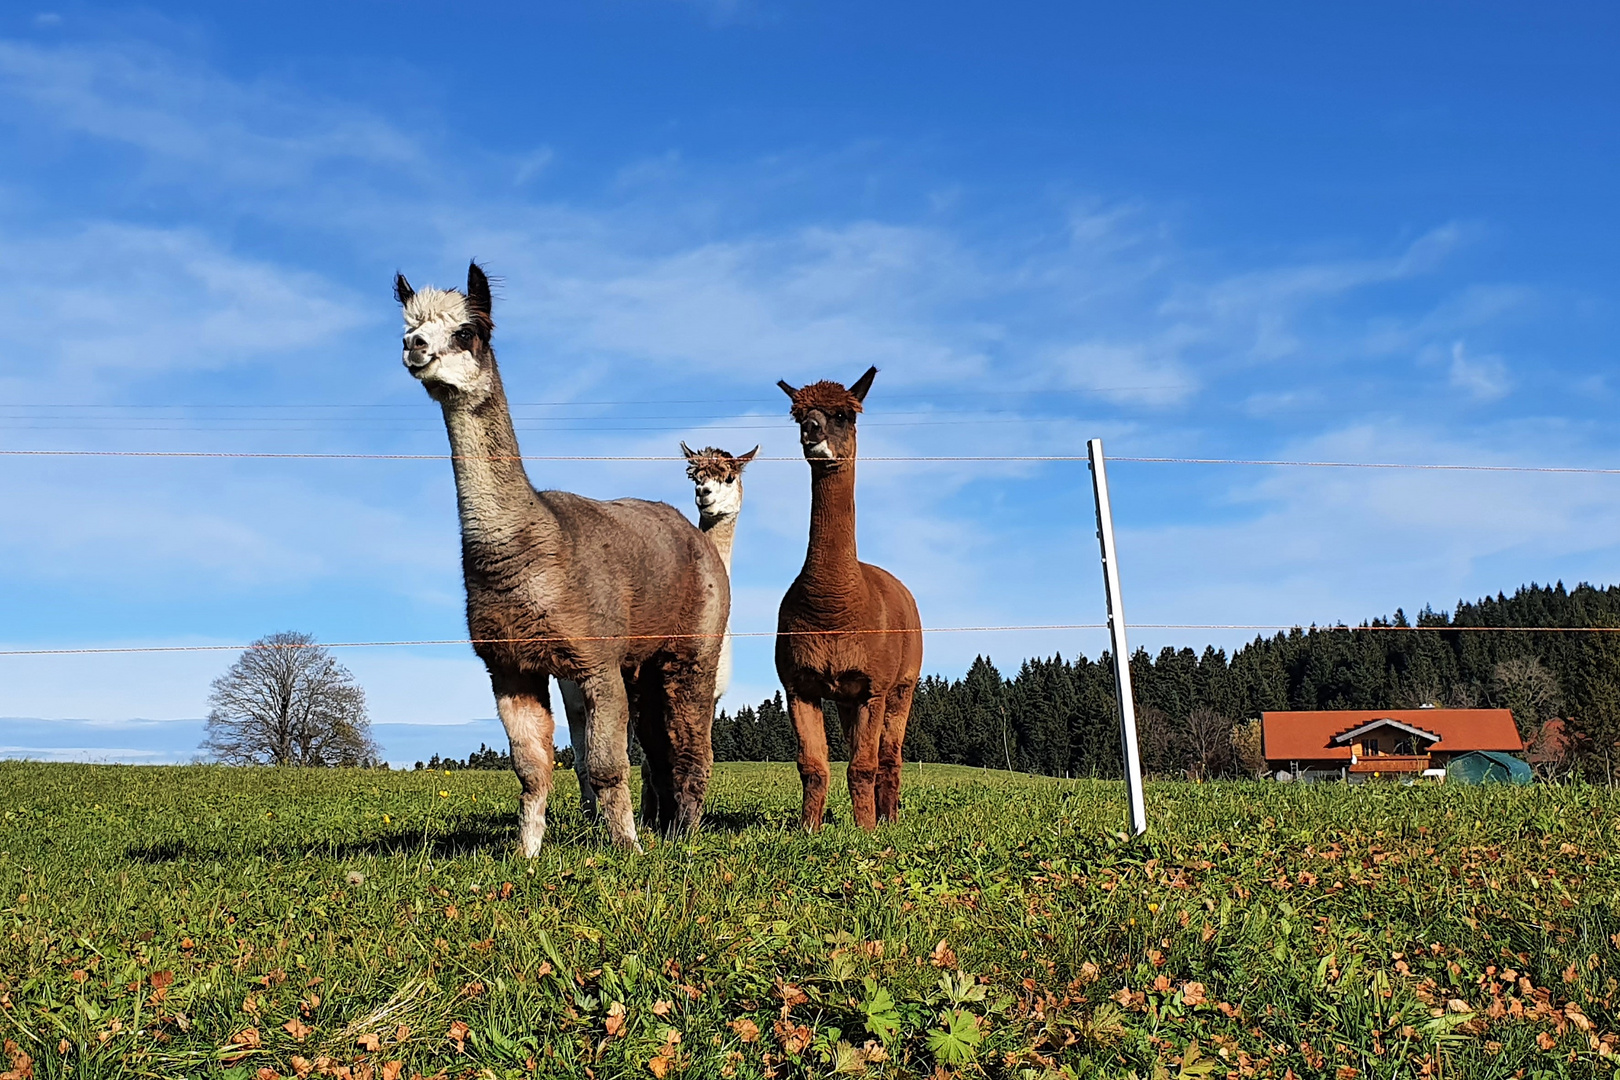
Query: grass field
{"points": [[251, 923]]}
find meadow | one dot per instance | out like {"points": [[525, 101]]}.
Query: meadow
{"points": [[205, 921]]}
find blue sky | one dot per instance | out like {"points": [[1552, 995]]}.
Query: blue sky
{"points": [[1371, 233]]}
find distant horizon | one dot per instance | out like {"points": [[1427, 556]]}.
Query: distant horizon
{"points": [[466, 736]]}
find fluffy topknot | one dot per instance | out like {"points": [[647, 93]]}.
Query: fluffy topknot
{"points": [[826, 395], [714, 462]]}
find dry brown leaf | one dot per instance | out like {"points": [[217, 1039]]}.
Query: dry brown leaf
{"points": [[401, 1033], [266, 1073], [297, 1029], [301, 1066], [794, 1037], [22, 1066], [943, 955], [458, 1035], [790, 994], [615, 1019], [160, 979], [662, 1063], [746, 1029], [662, 1007], [369, 1042], [1193, 993], [392, 1069]]}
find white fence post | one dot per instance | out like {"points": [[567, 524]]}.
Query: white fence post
{"points": [[1116, 631]]}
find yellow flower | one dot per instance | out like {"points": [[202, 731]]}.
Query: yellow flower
{"points": [[1153, 907], [444, 794], [387, 820]]}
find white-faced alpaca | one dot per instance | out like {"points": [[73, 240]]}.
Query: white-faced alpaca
{"points": [[625, 598], [717, 479]]}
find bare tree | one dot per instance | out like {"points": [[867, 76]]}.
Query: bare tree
{"points": [[287, 702], [1524, 685], [1209, 738]]}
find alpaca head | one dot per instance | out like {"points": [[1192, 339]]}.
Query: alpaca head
{"points": [[447, 337], [717, 476], [826, 414]]}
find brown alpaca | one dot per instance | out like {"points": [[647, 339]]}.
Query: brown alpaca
{"points": [[624, 597], [847, 630]]}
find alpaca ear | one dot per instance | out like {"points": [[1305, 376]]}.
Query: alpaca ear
{"points": [[477, 289], [786, 389], [746, 458], [687, 450], [863, 384], [402, 289]]}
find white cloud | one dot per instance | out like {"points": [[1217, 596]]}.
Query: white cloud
{"points": [[1484, 378]]}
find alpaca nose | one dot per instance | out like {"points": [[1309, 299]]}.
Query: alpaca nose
{"points": [[416, 343], [811, 432]]}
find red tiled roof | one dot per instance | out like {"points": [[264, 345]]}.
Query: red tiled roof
{"points": [[1308, 736]]}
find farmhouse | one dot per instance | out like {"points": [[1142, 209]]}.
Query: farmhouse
{"points": [[1358, 744]]}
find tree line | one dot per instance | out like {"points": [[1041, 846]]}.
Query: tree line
{"points": [[287, 702], [1197, 713]]}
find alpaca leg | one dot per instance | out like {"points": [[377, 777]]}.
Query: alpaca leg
{"points": [[863, 729], [889, 753], [579, 737], [647, 715], [689, 698], [608, 709], [809, 724], [525, 711]]}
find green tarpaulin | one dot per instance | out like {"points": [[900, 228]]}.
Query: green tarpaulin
{"points": [[1488, 767]]}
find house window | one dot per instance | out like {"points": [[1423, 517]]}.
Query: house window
{"points": [[1372, 746], [1405, 747]]}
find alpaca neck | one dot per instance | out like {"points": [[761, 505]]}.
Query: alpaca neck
{"points": [[493, 493], [721, 531], [830, 564]]}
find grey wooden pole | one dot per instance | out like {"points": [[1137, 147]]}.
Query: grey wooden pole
{"points": [[1116, 631]]}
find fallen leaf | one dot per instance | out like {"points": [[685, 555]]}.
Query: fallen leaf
{"points": [[63, 1047], [662, 1063], [791, 995], [943, 956], [1193, 993], [369, 1042], [267, 1073], [794, 1037], [22, 1066], [301, 1066], [392, 1069], [746, 1029], [160, 979], [662, 1008], [458, 1035], [615, 1019], [297, 1029], [401, 1033]]}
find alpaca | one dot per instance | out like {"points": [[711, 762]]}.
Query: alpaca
{"points": [[847, 630], [717, 477], [626, 598]]}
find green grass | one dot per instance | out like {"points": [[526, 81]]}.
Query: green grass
{"points": [[150, 916]]}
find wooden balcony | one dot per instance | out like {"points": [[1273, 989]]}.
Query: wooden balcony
{"points": [[1391, 763]]}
